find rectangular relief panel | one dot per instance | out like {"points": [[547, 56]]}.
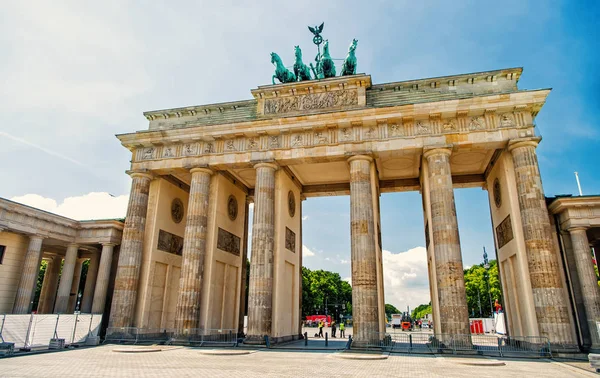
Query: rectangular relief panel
{"points": [[504, 232], [228, 242], [170, 243], [290, 240], [311, 101]]}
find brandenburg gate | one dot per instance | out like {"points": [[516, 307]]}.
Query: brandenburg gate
{"points": [[197, 169]]}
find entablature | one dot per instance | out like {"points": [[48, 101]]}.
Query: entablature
{"points": [[447, 119], [19, 218]]}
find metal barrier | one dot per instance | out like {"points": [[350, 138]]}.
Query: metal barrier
{"points": [[188, 336], [429, 343], [34, 331]]}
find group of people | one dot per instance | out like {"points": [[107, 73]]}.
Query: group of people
{"points": [[321, 325]]}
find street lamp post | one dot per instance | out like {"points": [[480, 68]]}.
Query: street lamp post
{"points": [[486, 265]]}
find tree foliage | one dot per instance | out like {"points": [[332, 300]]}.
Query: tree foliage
{"points": [[390, 309], [321, 288], [481, 289], [421, 311]]}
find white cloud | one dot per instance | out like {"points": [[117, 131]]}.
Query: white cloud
{"points": [[405, 276], [306, 252], [342, 261], [95, 205], [349, 280], [305, 217]]}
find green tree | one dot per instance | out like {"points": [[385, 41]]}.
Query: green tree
{"points": [[421, 311], [482, 285], [390, 309], [322, 290]]}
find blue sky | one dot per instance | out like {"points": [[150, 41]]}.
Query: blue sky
{"points": [[73, 74]]}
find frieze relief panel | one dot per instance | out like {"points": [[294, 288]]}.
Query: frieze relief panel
{"points": [[504, 232], [290, 240], [228, 242], [331, 134], [168, 242], [311, 101]]}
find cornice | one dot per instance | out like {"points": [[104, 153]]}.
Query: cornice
{"points": [[561, 204]]}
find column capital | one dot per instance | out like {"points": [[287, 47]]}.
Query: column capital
{"points": [[523, 142], [360, 157], [267, 164], [577, 229], [140, 173], [438, 150], [109, 244], [202, 169], [73, 245], [37, 236]]}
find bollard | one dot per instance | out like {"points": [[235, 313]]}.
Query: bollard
{"points": [[410, 340], [267, 342], [326, 341], [349, 344], [305, 338]]}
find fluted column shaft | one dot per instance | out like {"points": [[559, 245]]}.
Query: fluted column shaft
{"points": [[102, 279], [548, 292], [130, 257], [187, 312], [90, 284], [48, 296], [365, 309], [29, 275], [260, 292], [75, 286], [454, 313], [588, 281], [66, 280]]}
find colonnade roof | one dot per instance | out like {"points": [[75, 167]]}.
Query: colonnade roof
{"points": [[56, 229]]}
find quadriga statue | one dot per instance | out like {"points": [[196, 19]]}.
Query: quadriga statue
{"points": [[281, 73], [349, 66], [301, 70]]}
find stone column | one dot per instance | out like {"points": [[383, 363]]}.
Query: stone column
{"points": [[75, 286], [187, 312], [100, 291], [454, 313], [365, 308], [29, 275], [66, 280], [588, 281], [90, 284], [546, 283], [244, 276], [46, 303], [260, 292], [130, 256]]}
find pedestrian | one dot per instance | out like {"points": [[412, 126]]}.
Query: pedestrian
{"points": [[333, 329], [342, 328], [321, 328]]}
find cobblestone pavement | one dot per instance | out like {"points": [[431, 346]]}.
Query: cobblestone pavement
{"points": [[188, 362]]}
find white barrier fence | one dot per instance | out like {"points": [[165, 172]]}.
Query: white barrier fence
{"points": [[36, 330]]}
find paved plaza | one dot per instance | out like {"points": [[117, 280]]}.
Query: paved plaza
{"points": [[103, 361]]}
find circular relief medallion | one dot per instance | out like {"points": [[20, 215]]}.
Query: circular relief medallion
{"points": [[291, 204], [232, 207], [177, 210], [497, 195]]}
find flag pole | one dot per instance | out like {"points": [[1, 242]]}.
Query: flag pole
{"points": [[578, 183]]}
